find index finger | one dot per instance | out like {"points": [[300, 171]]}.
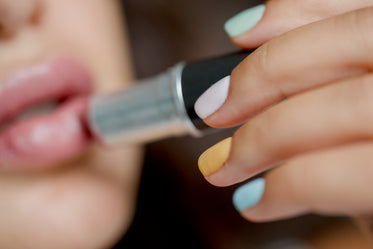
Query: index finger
{"points": [[305, 58]]}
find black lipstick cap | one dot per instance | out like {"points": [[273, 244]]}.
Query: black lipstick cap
{"points": [[197, 77]]}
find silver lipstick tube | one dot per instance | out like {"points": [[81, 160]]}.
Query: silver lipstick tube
{"points": [[150, 110], [160, 106]]}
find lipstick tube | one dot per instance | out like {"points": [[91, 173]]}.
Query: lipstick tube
{"points": [[160, 106]]}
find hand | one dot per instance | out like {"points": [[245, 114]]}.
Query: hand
{"points": [[319, 139]]}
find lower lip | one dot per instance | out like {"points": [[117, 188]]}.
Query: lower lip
{"points": [[46, 140]]}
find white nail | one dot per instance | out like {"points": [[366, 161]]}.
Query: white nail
{"points": [[213, 98]]}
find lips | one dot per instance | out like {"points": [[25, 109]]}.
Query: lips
{"points": [[49, 138]]}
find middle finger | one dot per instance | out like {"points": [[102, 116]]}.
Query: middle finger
{"points": [[321, 118]]}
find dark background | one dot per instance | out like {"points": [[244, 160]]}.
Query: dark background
{"points": [[177, 208]]}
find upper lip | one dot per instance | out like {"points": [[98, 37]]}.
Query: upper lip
{"points": [[31, 86]]}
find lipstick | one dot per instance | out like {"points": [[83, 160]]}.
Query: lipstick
{"points": [[160, 106]]}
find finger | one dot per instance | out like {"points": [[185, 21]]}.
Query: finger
{"points": [[297, 61], [331, 182], [325, 117], [253, 27]]}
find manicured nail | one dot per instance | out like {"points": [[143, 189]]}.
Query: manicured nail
{"points": [[248, 195], [213, 98], [215, 157], [244, 20]]}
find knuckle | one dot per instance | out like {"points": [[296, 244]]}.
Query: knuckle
{"points": [[367, 169], [259, 132], [360, 23], [262, 60], [296, 178], [364, 18], [299, 183], [255, 131], [361, 98], [265, 66]]}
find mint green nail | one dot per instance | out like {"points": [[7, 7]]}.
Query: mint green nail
{"points": [[248, 195], [244, 20]]}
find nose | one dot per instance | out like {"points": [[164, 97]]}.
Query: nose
{"points": [[14, 14]]}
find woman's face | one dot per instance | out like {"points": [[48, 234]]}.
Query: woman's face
{"points": [[56, 188]]}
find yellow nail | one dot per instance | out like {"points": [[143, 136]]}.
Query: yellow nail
{"points": [[215, 157]]}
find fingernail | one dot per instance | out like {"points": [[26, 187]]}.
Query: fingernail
{"points": [[213, 98], [215, 157], [244, 20], [248, 195]]}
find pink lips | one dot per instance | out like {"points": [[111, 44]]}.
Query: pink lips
{"points": [[53, 137]]}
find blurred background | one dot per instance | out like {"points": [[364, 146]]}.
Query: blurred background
{"points": [[177, 208]]}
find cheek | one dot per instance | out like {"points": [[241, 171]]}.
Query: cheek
{"points": [[94, 32]]}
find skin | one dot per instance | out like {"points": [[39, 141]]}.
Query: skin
{"points": [[89, 201], [318, 142], [86, 204]]}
